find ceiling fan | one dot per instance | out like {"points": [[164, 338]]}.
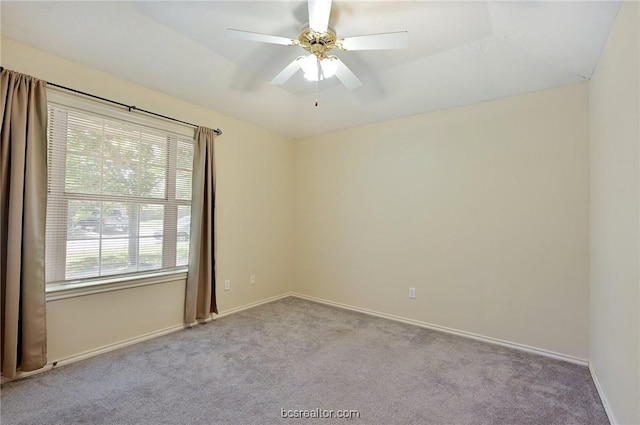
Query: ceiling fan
{"points": [[319, 39]]}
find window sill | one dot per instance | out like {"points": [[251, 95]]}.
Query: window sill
{"points": [[80, 288]]}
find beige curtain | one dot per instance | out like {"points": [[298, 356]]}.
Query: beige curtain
{"points": [[200, 300], [23, 199]]}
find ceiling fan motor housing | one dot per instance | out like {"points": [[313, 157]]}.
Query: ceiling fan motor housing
{"points": [[318, 43]]}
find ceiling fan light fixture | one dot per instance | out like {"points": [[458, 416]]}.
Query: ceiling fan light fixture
{"points": [[328, 65], [318, 39]]}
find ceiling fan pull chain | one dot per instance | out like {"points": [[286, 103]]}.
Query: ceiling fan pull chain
{"points": [[316, 104], [318, 80]]}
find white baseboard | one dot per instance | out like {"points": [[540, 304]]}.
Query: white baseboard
{"points": [[155, 334], [603, 398], [96, 351], [251, 305], [20, 375], [471, 335], [121, 344]]}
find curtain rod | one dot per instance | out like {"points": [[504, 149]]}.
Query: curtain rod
{"points": [[129, 107]]}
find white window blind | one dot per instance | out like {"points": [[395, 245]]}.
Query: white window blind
{"points": [[119, 193]]}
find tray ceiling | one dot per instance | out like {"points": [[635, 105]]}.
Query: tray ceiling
{"points": [[459, 53]]}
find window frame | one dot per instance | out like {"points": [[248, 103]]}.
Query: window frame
{"points": [[57, 246]]}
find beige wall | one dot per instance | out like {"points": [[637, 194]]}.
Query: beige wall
{"points": [[483, 209], [614, 113], [254, 212], [83, 324]]}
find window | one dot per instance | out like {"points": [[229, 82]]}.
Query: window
{"points": [[119, 195]]}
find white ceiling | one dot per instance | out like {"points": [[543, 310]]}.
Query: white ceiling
{"points": [[459, 53]]}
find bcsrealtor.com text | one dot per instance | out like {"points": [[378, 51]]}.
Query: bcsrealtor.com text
{"points": [[319, 414]]}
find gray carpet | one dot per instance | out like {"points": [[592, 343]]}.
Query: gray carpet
{"points": [[294, 354]]}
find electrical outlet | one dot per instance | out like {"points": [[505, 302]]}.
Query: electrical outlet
{"points": [[227, 285], [412, 293], [253, 279]]}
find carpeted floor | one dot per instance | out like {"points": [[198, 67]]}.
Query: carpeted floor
{"points": [[297, 355]]}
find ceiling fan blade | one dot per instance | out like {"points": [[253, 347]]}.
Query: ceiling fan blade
{"points": [[264, 38], [346, 76], [389, 40], [319, 11], [288, 71]]}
